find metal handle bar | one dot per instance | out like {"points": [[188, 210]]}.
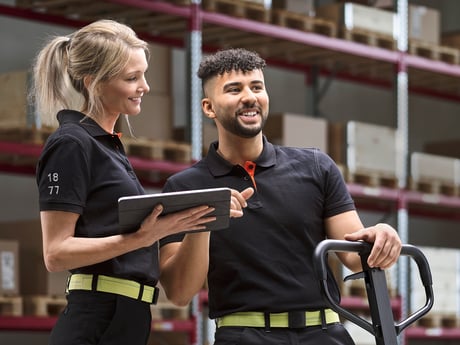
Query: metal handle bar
{"points": [[364, 249]]}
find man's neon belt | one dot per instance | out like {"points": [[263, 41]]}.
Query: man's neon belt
{"points": [[285, 320], [118, 286]]}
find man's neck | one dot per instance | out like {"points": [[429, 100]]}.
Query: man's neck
{"points": [[241, 150]]}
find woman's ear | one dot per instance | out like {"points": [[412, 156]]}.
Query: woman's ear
{"points": [[87, 81]]}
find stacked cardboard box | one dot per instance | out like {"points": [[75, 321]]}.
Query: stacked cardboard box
{"points": [[368, 151], [13, 99], [33, 276], [435, 173], [445, 270], [9, 267], [424, 24], [297, 130], [351, 16], [155, 121]]}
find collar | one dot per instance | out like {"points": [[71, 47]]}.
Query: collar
{"points": [[219, 166], [72, 116]]}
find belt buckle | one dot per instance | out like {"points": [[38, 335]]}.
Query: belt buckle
{"points": [[296, 319]]}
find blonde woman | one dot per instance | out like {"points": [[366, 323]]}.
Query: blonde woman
{"points": [[89, 79]]}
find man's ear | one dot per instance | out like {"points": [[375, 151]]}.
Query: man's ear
{"points": [[208, 110]]}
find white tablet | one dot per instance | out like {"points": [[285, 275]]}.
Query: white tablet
{"points": [[132, 210]]}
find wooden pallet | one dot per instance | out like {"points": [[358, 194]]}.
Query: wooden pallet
{"points": [[369, 38], [240, 9], [438, 320], [141, 20], [432, 186], [433, 52], [164, 310], [11, 306], [44, 305], [372, 179], [303, 22], [22, 134], [158, 150]]}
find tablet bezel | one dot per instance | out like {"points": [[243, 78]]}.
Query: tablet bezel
{"points": [[132, 210]]}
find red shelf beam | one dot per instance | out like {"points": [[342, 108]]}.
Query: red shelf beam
{"points": [[33, 150]]}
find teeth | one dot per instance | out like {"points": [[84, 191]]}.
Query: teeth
{"points": [[252, 113]]}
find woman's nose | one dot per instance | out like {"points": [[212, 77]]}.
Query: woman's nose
{"points": [[145, 86]]}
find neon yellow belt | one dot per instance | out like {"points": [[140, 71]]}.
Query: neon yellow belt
{"points": [[258, 319], [118, 286]]}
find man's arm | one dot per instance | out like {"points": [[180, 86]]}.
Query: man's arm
{"points": [[184, 265], [385, 239]]}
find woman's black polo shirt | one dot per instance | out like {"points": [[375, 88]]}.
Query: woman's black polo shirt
{"points": [[263, 261], [84, 170]]}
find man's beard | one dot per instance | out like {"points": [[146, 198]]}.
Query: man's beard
{"points": [[234, 126]]}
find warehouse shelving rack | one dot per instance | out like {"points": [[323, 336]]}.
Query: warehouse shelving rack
{"points": [[186, 24]]}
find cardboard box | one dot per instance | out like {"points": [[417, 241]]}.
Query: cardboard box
{"points": [[371, 149], [446, 287], [296, 130], [158, 75], [9, 267], [337, 142], [352, 16], [13, 99], [374, 3], [33, 275], [155, 120], [427, 167], [424, 24], [306, 7]]}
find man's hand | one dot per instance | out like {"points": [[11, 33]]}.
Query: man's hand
{"points": [[238, 201], [386, 244]]}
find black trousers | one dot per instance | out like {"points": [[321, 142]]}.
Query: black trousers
{"points": [[334, 334], [92, 318]]}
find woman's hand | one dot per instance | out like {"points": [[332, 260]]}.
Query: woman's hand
{"points": [[155, 226]]}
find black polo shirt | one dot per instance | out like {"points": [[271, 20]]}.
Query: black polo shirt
{"points": [[84, 170], [263, 261]]}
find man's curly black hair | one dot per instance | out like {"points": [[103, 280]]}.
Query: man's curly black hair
{"points": [[224, 61]]}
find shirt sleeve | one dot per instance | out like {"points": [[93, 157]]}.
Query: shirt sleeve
{"points": [[337, 197], [63, 176]]}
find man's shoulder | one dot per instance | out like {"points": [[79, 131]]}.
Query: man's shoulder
{"points": [[196, 169], [293, 151]]}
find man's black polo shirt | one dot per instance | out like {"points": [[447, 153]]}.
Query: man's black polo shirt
{"points": [[84, 170], [263, 261]]}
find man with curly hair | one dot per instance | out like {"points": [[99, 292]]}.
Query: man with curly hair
{"points": [[262, 286]]}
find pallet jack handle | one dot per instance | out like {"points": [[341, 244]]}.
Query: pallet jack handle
{"points": [[383, 326]]}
